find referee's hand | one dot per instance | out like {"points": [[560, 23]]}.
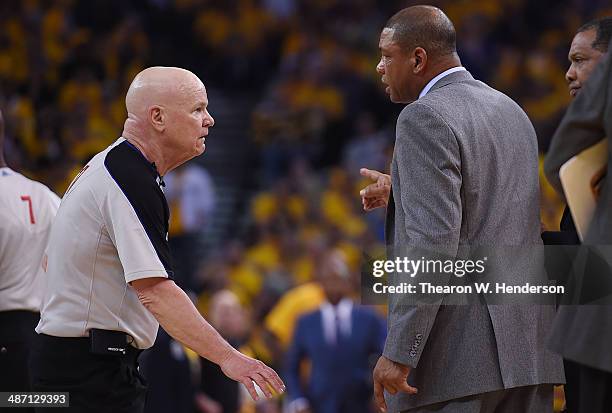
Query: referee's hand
{"points": [[247, 370]]}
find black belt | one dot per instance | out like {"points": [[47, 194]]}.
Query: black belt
{"points": [[97, 344]]}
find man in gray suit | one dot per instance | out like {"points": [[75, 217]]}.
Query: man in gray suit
{"points": [[583, 333], [464, 173]]}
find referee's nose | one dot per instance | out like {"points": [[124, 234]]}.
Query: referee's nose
{"points": [[208, 121]]}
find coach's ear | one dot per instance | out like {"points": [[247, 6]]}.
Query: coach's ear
{"points": [[157, 117], [419, 60]]}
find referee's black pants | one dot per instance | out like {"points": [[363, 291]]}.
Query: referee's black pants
{"points": [[95, 383], [16, 335]]}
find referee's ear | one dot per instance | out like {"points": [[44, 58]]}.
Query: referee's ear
{"points": [[157, 117]]}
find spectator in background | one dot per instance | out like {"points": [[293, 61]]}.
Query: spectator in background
{"points": [[367, 148], [166, 368], [220, 394], [338, 339], [588, 47], [190, 192], [281, 320], [583, 333]]}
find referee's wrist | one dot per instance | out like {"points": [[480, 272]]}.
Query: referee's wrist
{"points": [[226, 354]]}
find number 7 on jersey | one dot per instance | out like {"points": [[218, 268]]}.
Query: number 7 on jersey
{"points": [[28, 199]]}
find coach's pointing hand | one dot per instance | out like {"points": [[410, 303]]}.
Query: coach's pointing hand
{"points": [[246, 370], [375, 195]]}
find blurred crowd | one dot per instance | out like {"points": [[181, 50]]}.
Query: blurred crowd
{"points": [[65, 66]]}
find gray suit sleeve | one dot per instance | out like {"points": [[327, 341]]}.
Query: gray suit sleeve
{"points": [[428, 162], [583, 123]]}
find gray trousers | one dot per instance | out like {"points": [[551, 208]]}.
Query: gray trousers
{"points": [[528, 399]]}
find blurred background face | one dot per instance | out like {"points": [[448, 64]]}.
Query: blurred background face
{"points": [[189, 121], [395, 68], [335, 287], [583, 59], [227, 315], [335, 279]]}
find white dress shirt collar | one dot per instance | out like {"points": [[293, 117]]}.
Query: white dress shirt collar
{"points": [[440, 76], [343, 311]]}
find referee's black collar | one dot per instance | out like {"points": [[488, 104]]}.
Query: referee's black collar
{"points": [[160, 179]]}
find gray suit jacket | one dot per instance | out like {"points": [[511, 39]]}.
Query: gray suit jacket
{"points": [[465, 173], [584, 333]]}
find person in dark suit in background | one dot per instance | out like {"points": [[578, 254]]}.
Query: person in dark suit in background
{"points": [[583, 333], [218, 393], [588, 47], [338, 339]]}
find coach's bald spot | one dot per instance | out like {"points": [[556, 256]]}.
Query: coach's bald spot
{"points": [[159, 86]]}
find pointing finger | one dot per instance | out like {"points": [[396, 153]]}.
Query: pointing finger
{"points": [[370, 173]]}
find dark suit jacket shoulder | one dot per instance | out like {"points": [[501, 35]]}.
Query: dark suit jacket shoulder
{"points": [[580, 332]]}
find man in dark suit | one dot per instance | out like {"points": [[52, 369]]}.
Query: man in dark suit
{"points": [[583, 333], [459, 180], [338, 340], [588, 47]]}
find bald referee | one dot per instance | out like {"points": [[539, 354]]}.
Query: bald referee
{"points": [[27, 209], [109, 267]]}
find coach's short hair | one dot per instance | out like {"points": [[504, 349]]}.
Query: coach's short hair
{"points": [[424, 26], [603, 26]]}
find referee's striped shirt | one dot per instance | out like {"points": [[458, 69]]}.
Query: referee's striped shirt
{"points": [[111, 229]]}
